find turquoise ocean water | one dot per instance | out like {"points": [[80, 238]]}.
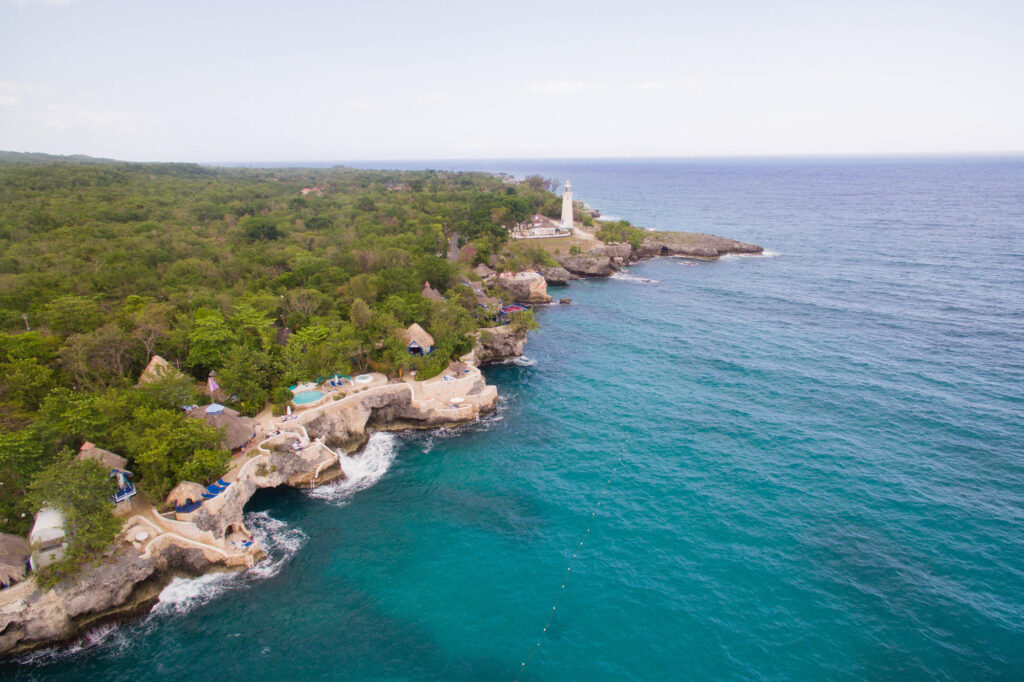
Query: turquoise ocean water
{"points": [[803, 466]]}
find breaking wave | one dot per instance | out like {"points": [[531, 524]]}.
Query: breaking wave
{"points": [[361, 471], [520, 361], [184, 594], [626, 277], [280, 541], [109, 635], [767, 253]]}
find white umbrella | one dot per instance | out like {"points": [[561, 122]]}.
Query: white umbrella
{"points": [[289, 408]]}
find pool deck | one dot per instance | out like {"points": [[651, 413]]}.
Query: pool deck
{"points": [[348, 388]]}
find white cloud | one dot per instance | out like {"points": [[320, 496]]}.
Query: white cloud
{"points": [[55, 3], [358, 103], [649, 85], [432, 98], [560, 86], [76, 116]]}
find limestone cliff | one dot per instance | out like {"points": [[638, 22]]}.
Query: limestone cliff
{"points": [[525, 287], [123, 581], [557, 275], [499, 343], [153, 547], [588, 265]]}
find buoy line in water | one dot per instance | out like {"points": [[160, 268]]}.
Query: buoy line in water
{"points": [[568, 570]]}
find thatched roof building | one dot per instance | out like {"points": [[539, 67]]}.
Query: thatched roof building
{"points": [[486, 301], [157, 368], [417, 340], [105, 457], [185, 493], [430, 293], [238, 430], [483, 271], [14, 551]]}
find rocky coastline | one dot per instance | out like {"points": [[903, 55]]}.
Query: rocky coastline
{"points": [[607, 259], [306, 452]]}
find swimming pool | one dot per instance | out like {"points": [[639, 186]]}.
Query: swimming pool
{"points": [[307, 397], [364, 378]]}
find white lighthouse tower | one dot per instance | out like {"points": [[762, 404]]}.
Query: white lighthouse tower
{"points": [[567, 206]]}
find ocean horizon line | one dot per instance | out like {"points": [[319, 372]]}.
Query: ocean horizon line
{"points": [[738, 158]]}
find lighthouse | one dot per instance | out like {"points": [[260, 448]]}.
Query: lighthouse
{"points": [[567, 206]]}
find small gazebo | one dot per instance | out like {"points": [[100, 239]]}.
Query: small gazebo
{"points": [[418, 341], [430, 293], [482, 271]]}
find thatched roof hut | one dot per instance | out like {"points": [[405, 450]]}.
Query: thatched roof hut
{"points": [[238, 430], [430, 293], [14, 551], [185, 493], [157, 369], [483, 271], [105, 457], [487, 301], [417, 339]]}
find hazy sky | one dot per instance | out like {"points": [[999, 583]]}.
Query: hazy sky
{"points": [[255, 80]]}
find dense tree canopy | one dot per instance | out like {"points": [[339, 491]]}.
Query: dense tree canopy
{"points": [[233, 271]]}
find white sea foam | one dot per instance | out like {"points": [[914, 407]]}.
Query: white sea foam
{"points": [[277, 538], [109, 635], [520, 361], [361, 471], [764, 254], [626, 277], [184, 594], [280, 541]]}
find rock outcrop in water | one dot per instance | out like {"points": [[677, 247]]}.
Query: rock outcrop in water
{"points": [[557, 276], [497, 344], [692, 245], [524, 287], [596, 265], [607, 259]]}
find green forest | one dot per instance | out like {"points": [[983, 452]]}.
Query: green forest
{"points": [[236, 271]]}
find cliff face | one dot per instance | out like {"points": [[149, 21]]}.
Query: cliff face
{"points": [[558, 276], [499, 343], [525, 287], [152, 548], [29, 616], [596, 265]]}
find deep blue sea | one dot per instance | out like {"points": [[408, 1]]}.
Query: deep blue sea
{"points": [[802, 466]]}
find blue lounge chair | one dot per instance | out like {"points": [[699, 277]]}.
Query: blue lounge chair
{"points": [[191, 507]]}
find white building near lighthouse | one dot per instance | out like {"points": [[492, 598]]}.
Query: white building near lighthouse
{"points": [[567, 206], [543, 227]]}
